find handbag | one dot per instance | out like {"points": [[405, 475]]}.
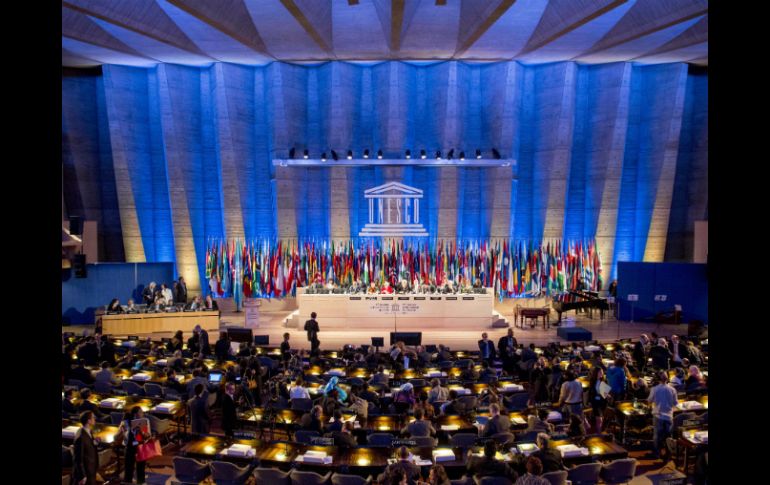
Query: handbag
{"points": [[148, 449]]}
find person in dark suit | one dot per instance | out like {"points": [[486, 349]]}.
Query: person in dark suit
{"points": [[498, 423], [344, 438], [394, 474], [199, 410], [86, 457], [180, 295], [486, 348], [222, 347], [81, 373], [336, 425], [381, 378], [133, 436], [641, 349], [660, 354], [443, 353], [203, 340], [114, 306], [89, 352], [419, 427], [285, 347], [107, 351], [550, 457], [66, 402], [210, 304], [312, 421], [487, 465], [148, 294], [195, 304], [229, 416], [311, 327], [506, 347]]}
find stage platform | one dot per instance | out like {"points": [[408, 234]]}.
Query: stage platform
{"points": [[272, 323]]}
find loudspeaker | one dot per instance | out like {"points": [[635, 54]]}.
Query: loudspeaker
{"points": [[79, 266], [76, 226], [409, 338]]}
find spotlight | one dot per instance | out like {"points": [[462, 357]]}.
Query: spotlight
{"points": [[462, 155], [450, 154], [438, 155], [478, 154], [334, 155], [408, 154], [291, 152], [305, 154], [366, 153], [379, 154], [350, 154], [323, 157], [496, 153], [422, 154]]}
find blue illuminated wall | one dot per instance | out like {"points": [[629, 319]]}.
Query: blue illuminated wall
{"points": [[169, 157]]}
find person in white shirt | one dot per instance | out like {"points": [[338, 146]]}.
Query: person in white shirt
{"points": [[298, 391], [571, 395], [167, 294], [663, 399]]}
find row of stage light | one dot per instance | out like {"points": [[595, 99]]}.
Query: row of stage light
{"points": [[407, 154]]}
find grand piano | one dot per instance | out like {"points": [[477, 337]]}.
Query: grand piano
{"points": [[579, 300]]}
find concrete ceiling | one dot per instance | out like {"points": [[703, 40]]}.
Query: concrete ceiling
{"points": [[256, 32]]}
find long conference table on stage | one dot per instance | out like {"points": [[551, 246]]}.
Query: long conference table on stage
{"points": [[411, 310], [142, 323]]}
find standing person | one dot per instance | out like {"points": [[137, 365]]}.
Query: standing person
{"points": [[133, 436], [311, 327], [148, 294], [641, 348], [181, 291], [507, 348], [203, 340], [167, 294], [486, 349], [229, 417], [199, 411], [597, 401], [86, 458], [663, 399], [571, 396], [617, 377], [222, 347], [285, 347]]}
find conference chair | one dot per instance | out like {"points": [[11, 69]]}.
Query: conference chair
{"points": [[556, 478], [529, 436], [273, 476], [463, 440], [226, 473], [153, 390], [417, 383], [340, 479], [77, 383], [132, 388], [425, 441], [158, 425], [619, 471], [516, 402], [305, 436], [172, 395], [503, 438], [379, 439], [188, 471], [464, 480], [585, 474], [309, 478], [66, 456], [103, 387]]}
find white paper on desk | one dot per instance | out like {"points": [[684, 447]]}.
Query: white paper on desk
{"points": [[513, 387], [553, 416], [604, 389], [161, 362], [336, 372], [443, 454], [449, 427], [702, 436], [571, 450], [141, 377], [690, 405], [525, 448], [420, 462], [110, 402], [593, 348], [239, 450], [518, 420], [166, 407], [462, 391], [69, 432]]}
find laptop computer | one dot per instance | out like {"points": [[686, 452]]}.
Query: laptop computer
{"points": [[215, 377]]}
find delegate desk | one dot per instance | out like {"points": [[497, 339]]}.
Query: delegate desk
{"points": [[144, 323], [412, 311]]}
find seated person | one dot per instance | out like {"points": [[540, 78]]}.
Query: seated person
{"points": [[469, 373], [498, 423], [487, 373], [298, 390], [550, 457], [66, 402], [312, 421], [106, 375], [127, 361], [87, 405], [394, 474], [330, 285], [172, 381], [437, 391], [405, 396], [372, 290], [487, 465], [386, 288], [114, 306], [477, 283], [403, 287], [428, 411], [419, 427], [538, 422], [158, 306], [451, 406], [210, 304], [195, 304], [381, 378], [344, 437], [534, 470], [130, 307], [81, 373]]}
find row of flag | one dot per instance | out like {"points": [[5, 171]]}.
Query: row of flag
{"points": [[276, 268]]}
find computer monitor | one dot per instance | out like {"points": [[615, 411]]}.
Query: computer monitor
{"points": [[378, 341], [262, 340], [409, 338]]}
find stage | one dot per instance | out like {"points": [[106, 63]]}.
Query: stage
{"points": [[275, 314]]}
